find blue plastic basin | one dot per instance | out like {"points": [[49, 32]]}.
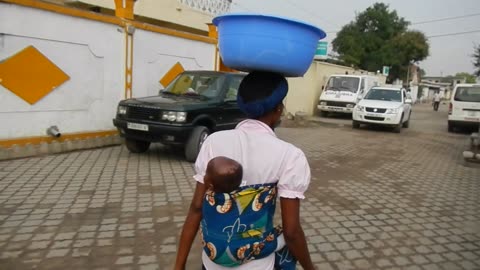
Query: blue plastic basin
{"points": [[250, 42]]}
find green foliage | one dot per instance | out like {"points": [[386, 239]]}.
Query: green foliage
{"points": [[379, 37], [469, 77]]}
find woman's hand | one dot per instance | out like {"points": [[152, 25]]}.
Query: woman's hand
{"points": [[190, 228], [293, 232]]}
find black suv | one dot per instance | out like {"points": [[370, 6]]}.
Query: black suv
{"points": [[183, 114]]}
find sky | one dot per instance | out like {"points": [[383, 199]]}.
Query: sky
{"points": [[448, 55]]}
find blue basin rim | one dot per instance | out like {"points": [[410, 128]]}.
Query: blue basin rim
{"points": [[320, 32]]}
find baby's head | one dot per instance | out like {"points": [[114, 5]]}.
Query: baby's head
{"points": [[223, 174]]}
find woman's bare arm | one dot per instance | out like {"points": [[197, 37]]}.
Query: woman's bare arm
{"points": [[293, 232], [190, 228]]}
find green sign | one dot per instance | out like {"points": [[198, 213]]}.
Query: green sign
{"points": [[322, 49], [386, 70]]}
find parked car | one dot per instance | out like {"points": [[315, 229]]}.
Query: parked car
{"points": [[384, 106], [464, 108], [190, 108]]}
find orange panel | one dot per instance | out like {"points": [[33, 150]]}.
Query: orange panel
{"points": [[172, 74], [30, 75]]}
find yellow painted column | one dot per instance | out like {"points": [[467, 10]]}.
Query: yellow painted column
{"points": [[213, 33], [219, 66], [124, 10]]}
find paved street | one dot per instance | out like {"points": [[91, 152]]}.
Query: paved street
{"points": [[378, 200]]}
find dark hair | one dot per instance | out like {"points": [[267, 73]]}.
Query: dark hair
{"points": [[225, 173], [259, 85]]}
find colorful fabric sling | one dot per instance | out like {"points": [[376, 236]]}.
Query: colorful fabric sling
{"points": [[238, 227]]}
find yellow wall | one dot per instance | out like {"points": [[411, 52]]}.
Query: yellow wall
{"points": [[166, 10]]}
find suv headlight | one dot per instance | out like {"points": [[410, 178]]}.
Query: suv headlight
{"points": [[323, 103], [393, 111], [181, 117], [174, 116], [359, 108], [122, 110]]}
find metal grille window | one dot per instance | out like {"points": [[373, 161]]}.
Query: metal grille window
{"points": [[213, 7]]}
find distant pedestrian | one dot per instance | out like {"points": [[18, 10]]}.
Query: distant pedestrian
{"points": [[436, 101]]}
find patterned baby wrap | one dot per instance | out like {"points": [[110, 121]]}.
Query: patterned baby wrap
{"points": [[237, 227]]}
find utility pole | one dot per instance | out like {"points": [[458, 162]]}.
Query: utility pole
{"points": [[408, 74]]}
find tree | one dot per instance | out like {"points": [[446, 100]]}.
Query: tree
{"points": [[476, 63], [379, 37], [469, 78]]}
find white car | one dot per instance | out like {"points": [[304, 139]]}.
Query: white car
{"points": [[384, 106], [464, 107]]}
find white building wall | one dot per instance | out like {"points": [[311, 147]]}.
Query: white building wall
{"points": [[155, 54], [92, 54]]}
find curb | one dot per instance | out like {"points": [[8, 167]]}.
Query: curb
{"points": [[31, 150]]}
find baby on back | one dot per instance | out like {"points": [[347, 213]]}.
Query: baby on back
{"points": [[223, 175]]}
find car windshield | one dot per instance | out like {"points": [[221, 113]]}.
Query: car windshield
{"points": [[205, 85], [343, 84], [384, 94], [468, 94]]}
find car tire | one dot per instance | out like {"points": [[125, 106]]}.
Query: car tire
{"points": [[407, 123], [195, 142], [355, 124], [136, 146], [398, 128], [451, 127]]}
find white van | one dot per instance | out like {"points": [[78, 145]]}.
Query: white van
{"points": [[342, 92], [464, 107]]}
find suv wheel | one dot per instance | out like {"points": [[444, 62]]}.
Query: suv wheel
{"points": [[407, 124], [451, 127], [136, 146], [195, 142]]}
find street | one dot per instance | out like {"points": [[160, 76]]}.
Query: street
{"points": [[377, 200]]}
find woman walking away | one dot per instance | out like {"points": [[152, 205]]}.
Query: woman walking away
{"points": [[237, 227]]}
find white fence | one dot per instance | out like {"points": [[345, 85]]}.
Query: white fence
{"points": [[92, 54]]}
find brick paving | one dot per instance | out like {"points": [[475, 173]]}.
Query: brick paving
{"points": [[378, 200]]}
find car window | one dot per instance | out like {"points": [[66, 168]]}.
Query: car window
{"points": [[384, 94], [468, 94], [232, 89], [343, 84], [207, 85]]}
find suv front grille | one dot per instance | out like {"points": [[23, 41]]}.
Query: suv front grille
{"points": [[378, 110], [143, 113], [374, 118], [338, 104]]}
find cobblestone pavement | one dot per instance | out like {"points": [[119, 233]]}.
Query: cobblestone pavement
{"points": [[378, 200]]}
